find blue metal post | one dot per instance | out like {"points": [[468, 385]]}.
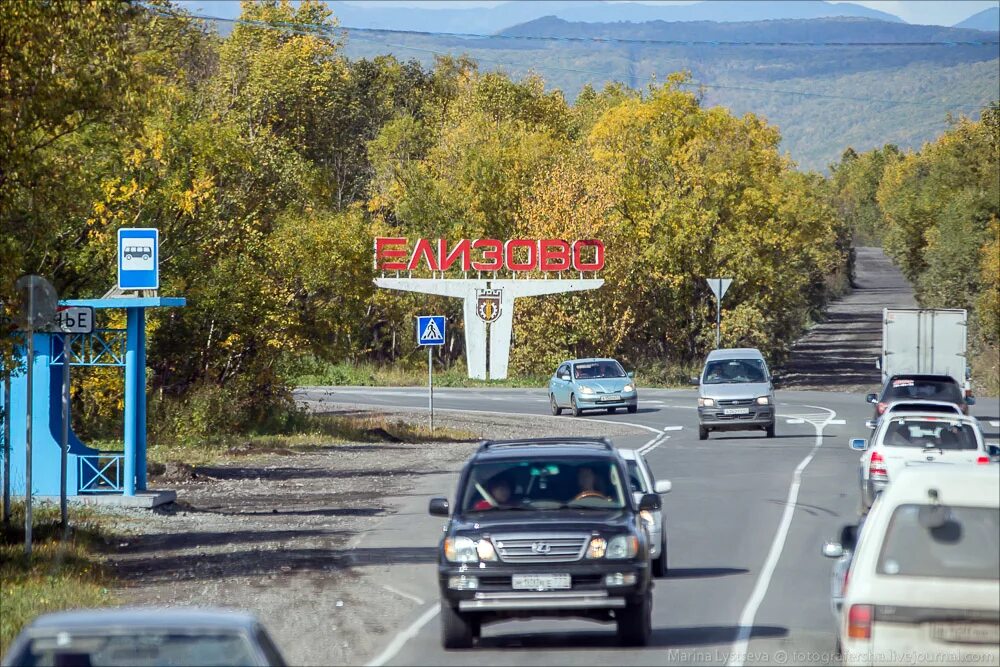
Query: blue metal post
{"points": [[131, 392], [140, 399]]}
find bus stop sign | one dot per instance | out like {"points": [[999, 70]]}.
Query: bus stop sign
{"points": [[139, 259]]}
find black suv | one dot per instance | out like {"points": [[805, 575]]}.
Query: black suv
{"points": [[911, 387], [544, 527]]}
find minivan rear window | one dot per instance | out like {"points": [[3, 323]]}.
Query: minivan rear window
{"points": [[925, 390], [942, 542]]}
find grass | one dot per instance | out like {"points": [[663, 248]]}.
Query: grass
{"points": [[60, 574], [371, 375], [986, 371], [308, 433]]}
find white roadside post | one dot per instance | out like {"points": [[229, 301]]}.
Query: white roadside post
{"points": [[71, 320], [719, 287], [430, 333]]}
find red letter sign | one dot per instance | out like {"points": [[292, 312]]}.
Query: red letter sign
{"points": [[382, 253], [579, 264], [511, 246], [492, 253], [554, 255]]}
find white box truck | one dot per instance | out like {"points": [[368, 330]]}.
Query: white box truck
{"points": [[930, 341]]}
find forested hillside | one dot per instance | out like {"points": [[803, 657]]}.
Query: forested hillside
{"points": [[821, 97]]}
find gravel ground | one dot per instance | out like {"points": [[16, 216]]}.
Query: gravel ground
{"points": [[279, 535]]}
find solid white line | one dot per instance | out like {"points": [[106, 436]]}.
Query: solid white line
{"points": [[406, 635], [738, 655], [403, 594], [653, 444]]}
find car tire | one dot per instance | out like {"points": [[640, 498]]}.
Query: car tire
{"points": [[456, 629], [632, 409], [576, 408], [770, 431], [635, 621], [702, 433], [611, 411], [556, 410], [660, 563]]}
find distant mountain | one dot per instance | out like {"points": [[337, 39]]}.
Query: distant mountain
{"points": [[822, 98], [988, 20], [486, 20]]}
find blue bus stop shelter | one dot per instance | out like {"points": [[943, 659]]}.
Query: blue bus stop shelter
{"points": [[89, 471]]}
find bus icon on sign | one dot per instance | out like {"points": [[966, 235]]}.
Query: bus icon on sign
{"points": [[138, 256]]}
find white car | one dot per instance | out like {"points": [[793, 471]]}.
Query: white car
{"points": [[923, 585], [924, 407], [911, 438], [642, 482]]}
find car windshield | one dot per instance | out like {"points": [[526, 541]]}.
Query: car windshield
{"points": [[637, 482], [139, 649], [598, 370], [927, 390], [941, 541], [544, 483], [930, 434], [724, 371]]}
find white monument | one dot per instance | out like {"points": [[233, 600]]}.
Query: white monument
{"points": [[488, 300]]}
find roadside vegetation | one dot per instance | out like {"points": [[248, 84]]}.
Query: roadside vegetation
{"points": [[936, 212], [62, 572], [269, 161]]}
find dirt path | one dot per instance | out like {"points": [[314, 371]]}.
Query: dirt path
{"points": [[281, 535], [839, 354]]}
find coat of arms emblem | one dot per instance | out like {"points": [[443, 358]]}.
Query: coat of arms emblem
{"points": [[488, 304]]}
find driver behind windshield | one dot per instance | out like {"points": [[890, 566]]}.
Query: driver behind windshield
{"points": [[499, 494], [588, 484]]}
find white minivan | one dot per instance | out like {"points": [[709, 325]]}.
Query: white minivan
{"points": [[923, 586]]}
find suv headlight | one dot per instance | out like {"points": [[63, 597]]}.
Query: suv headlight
{"points": [[706, 402], [764, 400], [467, 550], [629, 387], [584, 389], [623, 546]]}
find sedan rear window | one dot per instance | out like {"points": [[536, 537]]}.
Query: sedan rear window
{"points": [[142, 648], [926, 390], [930, 434], [942, 542]]}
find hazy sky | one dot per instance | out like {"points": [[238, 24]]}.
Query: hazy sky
{"points": [[943, 12]]}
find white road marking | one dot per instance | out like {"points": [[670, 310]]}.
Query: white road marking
{"points": [[672, 428], [995, 424], [653, 444], [838, 422], [403, 594], [739, 653], [399, 641], [795, 421]]}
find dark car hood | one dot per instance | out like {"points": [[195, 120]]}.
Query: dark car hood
{"points": [[498, 521]]}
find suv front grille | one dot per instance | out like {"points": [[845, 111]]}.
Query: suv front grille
{"points": [[737, 401], [540, 548]]}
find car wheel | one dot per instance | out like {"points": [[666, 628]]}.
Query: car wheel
{"points": [[576, 408], [556, 410], [770, 431], [660, 564], [633, 408], [611, 411], [635, 621], [456, 628], [702, 433]]}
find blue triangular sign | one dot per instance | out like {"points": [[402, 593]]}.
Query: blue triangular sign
{"points": [[431, 332]]}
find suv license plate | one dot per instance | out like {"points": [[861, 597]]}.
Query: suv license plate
{"points": [[966, 633], [539, 582], [611, 397], [736, 411]]}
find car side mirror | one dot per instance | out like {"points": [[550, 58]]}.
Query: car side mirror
{"points": [[993, 450], [650, 502], [775, 381], [833, 550], [849, 536], [872, 398], [858, 444], [871, 423], [564, 377], [663, 486], [631, 374], [970, 400], [439, 507], [694, 381]]}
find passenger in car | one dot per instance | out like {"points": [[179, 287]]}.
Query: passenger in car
{"points": [[499, 490]]}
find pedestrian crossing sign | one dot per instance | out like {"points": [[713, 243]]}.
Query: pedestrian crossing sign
{"points": [[430, 330]]}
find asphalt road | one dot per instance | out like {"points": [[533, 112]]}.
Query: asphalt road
{"points": [[746, 519]]}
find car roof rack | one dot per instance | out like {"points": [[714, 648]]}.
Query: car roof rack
{"points": [[600, 441]]}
